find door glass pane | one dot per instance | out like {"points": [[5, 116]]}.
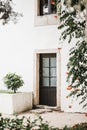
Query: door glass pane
{"points": [[45, 71], [53, 82], [52, 71], [45, 62], [46, 82], [53, 62]]}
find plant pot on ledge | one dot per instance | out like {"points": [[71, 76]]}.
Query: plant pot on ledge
{"points": [[15, 103], [12, 103]]}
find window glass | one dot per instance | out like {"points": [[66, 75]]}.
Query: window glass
{"points": [[53, 62], [53, 82], [45, 62], [48, 7], [52, 71], [48, 70], [45, 7], [46, 82], [45, 71]]}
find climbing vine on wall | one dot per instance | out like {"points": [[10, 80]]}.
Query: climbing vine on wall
{"points": [[7, 12], [73, 22]]}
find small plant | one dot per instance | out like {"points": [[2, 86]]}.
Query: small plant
{"points": [[13, 81]]}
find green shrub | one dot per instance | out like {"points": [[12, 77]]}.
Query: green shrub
{"points": [[13, 81], [81, 126], [36, 124], [24, 124]]}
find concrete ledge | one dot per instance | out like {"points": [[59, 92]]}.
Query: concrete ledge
{"points": [[15, 103]]}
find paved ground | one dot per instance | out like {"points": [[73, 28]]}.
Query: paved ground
{"points": [[56, 118]]}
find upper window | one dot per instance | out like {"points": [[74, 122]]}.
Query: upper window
{"points": [[48, 7], [45, 12]]}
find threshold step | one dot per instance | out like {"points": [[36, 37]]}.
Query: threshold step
{"points": [[47, 107]]}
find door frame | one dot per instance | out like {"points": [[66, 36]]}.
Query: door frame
{"points": [[36, 75]]}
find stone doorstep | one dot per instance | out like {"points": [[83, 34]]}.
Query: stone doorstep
{"points": [[39, 109], [47, 107]]}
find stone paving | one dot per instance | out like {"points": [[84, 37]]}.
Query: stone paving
{"points": [[56, 118]]}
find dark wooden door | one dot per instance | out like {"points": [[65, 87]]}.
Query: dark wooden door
{"points": [[47, 95]]}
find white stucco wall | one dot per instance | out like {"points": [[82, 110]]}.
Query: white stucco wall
{"points": [[17, 45], [19, 41]]}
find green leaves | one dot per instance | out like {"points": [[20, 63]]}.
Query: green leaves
{"points": [[72, 27], [13, 81], [72, 24], [24, 124], [77, 67], [7, 13]]}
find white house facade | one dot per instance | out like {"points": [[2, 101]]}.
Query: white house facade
{"points": [[31, 49]]}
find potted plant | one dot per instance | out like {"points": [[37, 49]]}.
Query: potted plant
{"points": [[14, 102], [13, 81]]}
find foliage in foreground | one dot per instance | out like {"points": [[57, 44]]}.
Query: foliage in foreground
{"points": [[82, 126], [36, 124], [24, 124]]}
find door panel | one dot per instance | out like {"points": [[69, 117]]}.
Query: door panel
{"points": [[47, 79]]}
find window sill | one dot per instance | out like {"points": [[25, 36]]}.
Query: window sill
{"points": [[46, 20]]}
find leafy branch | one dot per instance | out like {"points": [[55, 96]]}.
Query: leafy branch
{"points": [[73, 27], [73, 23], [7, 13]]}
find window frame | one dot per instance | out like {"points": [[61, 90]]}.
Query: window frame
{"points": [[49, 56], [50, 7], [36, 74], [41, 20]]}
